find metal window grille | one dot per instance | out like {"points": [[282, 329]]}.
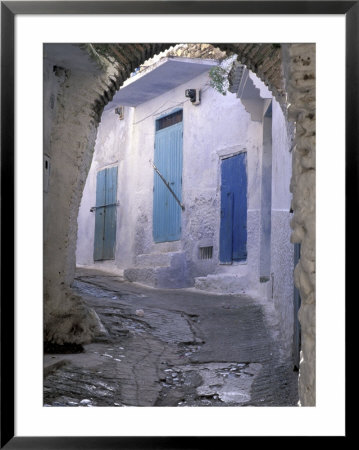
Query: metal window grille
{"points": [[169, 120], [205, 252]]}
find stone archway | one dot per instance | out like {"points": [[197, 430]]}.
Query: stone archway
{"points": [[78, 84]]}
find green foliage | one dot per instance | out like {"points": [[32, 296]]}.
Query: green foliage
{"points": [[218, 79]]}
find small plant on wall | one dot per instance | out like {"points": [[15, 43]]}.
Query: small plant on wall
{"points": [[218, 79], [218, 75]]}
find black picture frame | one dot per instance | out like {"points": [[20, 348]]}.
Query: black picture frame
{"points": [[9, 9]]}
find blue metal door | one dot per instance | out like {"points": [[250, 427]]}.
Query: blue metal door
{"points": [[233, 226], [168, 160], [105, 221]]}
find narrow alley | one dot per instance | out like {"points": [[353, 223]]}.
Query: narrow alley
{"points": [[177, 347]]}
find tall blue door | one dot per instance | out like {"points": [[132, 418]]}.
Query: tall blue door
{"points": [[168, 160], [233, 227], [105, 221]]}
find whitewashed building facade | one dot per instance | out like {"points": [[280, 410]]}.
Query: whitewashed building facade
{"points": [[214, 212]]}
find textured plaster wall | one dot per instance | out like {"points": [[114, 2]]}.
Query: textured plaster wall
{"points": [[255, 131], [266, 199], [282, 256], [255, 224], [279, 288], [217, 127], [112, 148]]}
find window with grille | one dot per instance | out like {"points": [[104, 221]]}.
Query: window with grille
{"points": [[169, 120], [205, 252]]}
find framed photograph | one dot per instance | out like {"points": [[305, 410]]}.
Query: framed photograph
{"points": [[305, 82]]}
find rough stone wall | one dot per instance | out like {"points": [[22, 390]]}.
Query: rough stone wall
{"points": [[71, 147], [299, 72], [205, 51]]}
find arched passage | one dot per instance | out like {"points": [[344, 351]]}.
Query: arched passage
{"points": [[79, 82]]}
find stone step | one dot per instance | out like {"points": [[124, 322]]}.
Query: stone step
{"points": [[155, 259], [236, 269], [222, 283], [162, 270]]}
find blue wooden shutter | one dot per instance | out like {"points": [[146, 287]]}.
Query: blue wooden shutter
{"points": [[110, 214], [100, 214], [168, 160], [106, 214]]}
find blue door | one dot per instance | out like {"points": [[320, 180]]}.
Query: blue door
{"points": [[233, 227], [105, 221], [168, 160]]}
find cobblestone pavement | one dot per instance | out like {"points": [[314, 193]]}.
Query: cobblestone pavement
{"points": [[171, 348]]}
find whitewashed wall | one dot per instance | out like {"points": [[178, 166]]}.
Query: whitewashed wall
{"points": [[216, 128], [113, 147], [282, 250]]}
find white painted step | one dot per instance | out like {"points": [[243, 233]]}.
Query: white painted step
{"points": [[162, 270], [156, 259], [222, 283]]}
